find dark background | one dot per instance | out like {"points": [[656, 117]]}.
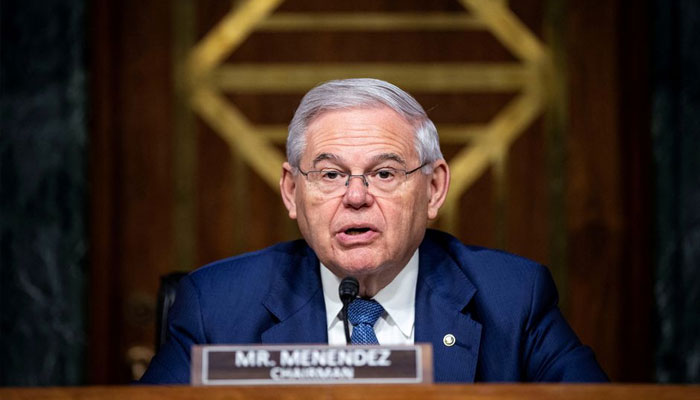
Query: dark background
{"points": [[89, 174]]}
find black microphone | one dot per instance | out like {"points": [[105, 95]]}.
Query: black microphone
{"points": [[348, 290]]}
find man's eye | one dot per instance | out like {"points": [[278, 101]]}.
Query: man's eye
{"points": [[330, 175], [385, 174]]}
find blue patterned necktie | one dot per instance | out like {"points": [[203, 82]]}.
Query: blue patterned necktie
{"points": [[362, 314]]}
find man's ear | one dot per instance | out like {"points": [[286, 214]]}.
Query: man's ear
{"points": [[288, 189], [437, 187]]}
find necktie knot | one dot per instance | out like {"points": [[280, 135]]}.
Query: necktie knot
{"points": [[363, 314]]}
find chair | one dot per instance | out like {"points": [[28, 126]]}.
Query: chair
{"points": [[166, 298]]}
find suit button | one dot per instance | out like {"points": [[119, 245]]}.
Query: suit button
{"points": [[449, 340]]}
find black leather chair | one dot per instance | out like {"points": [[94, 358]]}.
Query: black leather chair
{"points": [[166, 298]]}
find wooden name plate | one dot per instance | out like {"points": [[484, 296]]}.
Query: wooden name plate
{"points": [[310, 364]]}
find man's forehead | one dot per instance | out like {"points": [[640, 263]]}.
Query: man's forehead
{"points": [[377, 158], [380, 133]]}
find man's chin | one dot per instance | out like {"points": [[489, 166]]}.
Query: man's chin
{"points": [[359, 264], [358, 270]]}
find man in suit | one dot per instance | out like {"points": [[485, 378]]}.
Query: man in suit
{"points": [[364, 176]]}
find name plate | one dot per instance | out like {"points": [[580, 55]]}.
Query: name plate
{"points": [[310, 364]]}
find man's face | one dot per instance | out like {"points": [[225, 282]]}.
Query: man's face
{"points": [[362, 231]]}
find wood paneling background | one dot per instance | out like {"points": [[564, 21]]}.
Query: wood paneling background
{"points": [[136, 156], [608, 184]]}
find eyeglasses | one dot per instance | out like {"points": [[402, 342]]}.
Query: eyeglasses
{"points": [[333, 182]]}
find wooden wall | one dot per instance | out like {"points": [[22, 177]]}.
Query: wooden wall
{"points": [[609, 185], [574, 199]]}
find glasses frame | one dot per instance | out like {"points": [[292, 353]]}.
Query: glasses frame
{"points": [[363, 176]]}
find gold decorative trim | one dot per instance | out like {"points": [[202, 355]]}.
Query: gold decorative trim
{"points": [[487, 144], [239, 134], [508, 29], [453, 77], [228, 34], [370, 22], [471, 162], [184, 141]]}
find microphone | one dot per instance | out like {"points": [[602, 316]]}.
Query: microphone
{"points": [[348, 290]]}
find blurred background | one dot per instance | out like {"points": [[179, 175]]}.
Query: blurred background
{"points": [[144, 137]]}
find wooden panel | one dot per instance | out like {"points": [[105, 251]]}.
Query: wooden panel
{"points": [[527, 217], [104, 156], [364, 46], [606, 206], [594, 206], [146, 198], [635, 133], [368, 47], [361, 392], [132, 195], [478, 216], [216, 185], [235, 210]]}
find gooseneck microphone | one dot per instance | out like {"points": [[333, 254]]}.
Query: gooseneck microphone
{"points": [[348, 290]]}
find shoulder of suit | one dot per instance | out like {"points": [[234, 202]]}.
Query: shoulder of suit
{"points": [[504, 282], [258, 263], [482, 263]]}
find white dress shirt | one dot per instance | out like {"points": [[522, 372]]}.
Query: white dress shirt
{"points": [[396, 325]]}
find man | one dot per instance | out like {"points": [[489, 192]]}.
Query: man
{"points": [[364, 176]]}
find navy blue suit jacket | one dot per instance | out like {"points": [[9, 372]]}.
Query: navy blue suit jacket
{"points": [[501, 308]]}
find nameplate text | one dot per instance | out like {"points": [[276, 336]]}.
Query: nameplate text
{"points": [[312, 364]]}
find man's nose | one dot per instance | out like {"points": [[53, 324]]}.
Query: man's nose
{"points": [[357, 193]]}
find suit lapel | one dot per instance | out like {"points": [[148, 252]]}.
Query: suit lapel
{"points": [[296, 301], [442, 294]]}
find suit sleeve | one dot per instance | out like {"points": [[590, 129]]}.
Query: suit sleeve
{"points": [[552, 352], [171, 364]]}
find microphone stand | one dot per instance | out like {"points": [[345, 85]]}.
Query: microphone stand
{"points": [[348, 290]]}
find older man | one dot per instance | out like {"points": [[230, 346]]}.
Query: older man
{"points": [[364, 176]]}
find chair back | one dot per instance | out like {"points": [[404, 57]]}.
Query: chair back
{"points": [[166, 298]]}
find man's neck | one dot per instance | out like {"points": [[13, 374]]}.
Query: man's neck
{"points": [[372, 283]]}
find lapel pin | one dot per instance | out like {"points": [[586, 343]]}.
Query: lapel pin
{"points": [[449, 340]]}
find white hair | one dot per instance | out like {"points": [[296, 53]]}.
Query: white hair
{"points": [[362, 93]]}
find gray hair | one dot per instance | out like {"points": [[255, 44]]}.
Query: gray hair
{"points": [[362, 93]]}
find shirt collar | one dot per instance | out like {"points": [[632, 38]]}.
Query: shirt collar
{"points": [[398, 297]]}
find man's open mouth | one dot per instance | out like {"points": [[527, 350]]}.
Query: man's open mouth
{"points": [[356, 231]]}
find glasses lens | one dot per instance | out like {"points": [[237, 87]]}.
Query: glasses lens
{"points": [[332, 182], [386, 179], [328, 182]]}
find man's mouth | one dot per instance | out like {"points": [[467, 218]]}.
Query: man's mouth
{"points": [[357, 235], [356, 231]]}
